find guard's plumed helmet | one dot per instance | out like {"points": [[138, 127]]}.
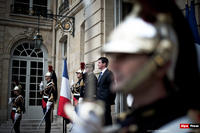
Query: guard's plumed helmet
{"points": [[16, 88], [136, 36], [79, 71], [48, 74]]}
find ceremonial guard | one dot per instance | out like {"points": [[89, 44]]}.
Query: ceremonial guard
{"points": [[48, 99], [17, 109], [77, 87], [54, 78]]}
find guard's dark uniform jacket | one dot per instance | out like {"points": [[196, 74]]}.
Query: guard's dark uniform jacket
{"points": [[17, 107], [76, 88], [48, 94]]}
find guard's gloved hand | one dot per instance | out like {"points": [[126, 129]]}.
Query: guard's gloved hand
{"points": [[48, 105], [17, 115], [41, 86], [88, 118], [80, 100], [10, 100]]}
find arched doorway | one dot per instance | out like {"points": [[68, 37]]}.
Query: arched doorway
{"points": [[28, 65]]}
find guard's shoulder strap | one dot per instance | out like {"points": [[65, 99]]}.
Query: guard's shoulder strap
{"points": [[50, 83], [82, 82], [18, 98]]}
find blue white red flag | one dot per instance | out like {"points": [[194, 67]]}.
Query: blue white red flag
{"points": [[65, 92], [190, 16]]}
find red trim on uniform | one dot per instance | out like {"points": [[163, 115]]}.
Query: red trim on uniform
{"points": [[44, 104], [13, 115], [75, 101]]}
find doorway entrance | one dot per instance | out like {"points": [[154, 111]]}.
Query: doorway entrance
{"points": [[28, 66]]}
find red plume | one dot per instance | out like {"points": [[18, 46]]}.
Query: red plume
{"points": [[50, 68], [82, 65]]}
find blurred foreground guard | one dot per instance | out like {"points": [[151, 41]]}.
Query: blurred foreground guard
{"points": [[154, 59], [158, 66], [17, 109]]}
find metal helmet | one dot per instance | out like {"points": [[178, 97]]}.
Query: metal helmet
{"points": [[79, 71], [16, 88], [48, 74], [136, 36]]}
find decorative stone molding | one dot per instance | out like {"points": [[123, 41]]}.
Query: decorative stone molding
{"points": [[26, 34]]}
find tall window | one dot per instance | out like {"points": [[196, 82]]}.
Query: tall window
{"points": [[29, 7], [21, 7], [40, 6], [63, 6], [64, 49]]}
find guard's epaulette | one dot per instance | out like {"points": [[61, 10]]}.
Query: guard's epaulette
{"points": [[18, 98]]}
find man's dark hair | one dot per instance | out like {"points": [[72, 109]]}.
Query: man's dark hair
{"points": [[104, 60]]}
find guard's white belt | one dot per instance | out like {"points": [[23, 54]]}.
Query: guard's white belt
{"points": [[45, 96], [14, 108], [76, 94]]}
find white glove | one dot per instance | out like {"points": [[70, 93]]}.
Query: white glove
{"points": [[130, 100], [41, 86], [17, 115], [10, 100], [48, 105], [80, 100], [88, 119]]}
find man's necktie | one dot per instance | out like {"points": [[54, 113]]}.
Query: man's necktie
{"points": [[100, 75]]}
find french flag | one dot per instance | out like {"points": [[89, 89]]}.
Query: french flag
{"points": [[65, 92]]}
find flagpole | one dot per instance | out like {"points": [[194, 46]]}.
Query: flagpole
{"points": [[64, 126]]}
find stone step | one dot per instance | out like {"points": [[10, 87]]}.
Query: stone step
{"points": [[29, 131], [30, 126]]}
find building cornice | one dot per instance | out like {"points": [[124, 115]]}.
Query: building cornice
{"points": [[26, 21]]}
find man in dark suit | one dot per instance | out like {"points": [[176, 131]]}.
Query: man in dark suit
{"points": [[104, 88]]}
